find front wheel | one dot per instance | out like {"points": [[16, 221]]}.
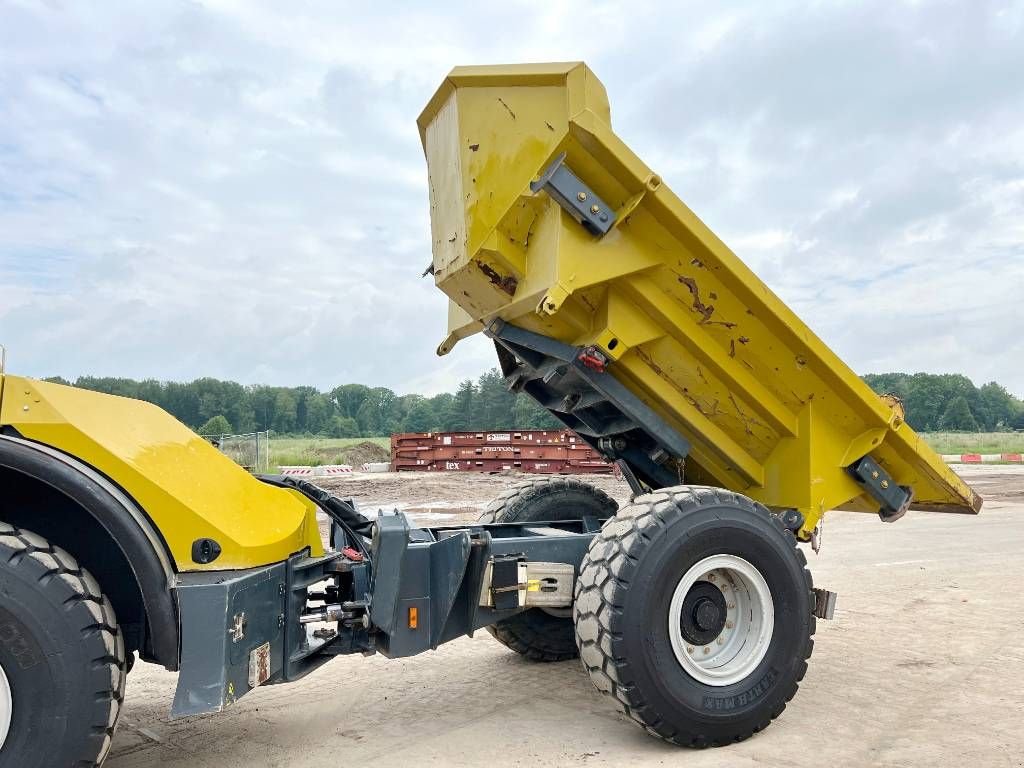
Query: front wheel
{"points": [[694, 611], [62, 658]]}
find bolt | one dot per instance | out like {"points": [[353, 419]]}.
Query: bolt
{"points": [[594, 209], [874, 475], [581, 196], [885, 483]]}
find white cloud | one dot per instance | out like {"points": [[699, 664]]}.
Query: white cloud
{"points": [[236, 188]]}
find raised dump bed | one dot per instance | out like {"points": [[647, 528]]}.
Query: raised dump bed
{"points": [[619, 310]]}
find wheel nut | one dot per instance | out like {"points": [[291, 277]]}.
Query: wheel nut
{"points": [[689, 649], [731, 606], [729, 625], [721, 639], [711, 577], [707, 649]]}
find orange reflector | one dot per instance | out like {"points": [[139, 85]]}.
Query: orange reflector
{"points": [[414, 617]]}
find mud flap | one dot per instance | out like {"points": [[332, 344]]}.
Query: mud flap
{"points": [[231, 636]]}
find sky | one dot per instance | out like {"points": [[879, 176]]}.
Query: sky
{"points": [[236, 188]]}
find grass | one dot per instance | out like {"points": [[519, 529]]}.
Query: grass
{"points": [[316, 451], [975, 442]]}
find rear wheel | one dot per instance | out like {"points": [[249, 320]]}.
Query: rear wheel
{"points": [[537, 634], [62, 658], [694, 611]]}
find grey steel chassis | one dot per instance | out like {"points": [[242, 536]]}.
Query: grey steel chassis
{"points": [[411, 590], [390, 588]]}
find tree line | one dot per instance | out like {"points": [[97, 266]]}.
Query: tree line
{"points": [[950, 402], [945, 402], [212, 406]]}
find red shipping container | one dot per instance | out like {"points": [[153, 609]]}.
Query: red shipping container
{"points": [[540, 451]]}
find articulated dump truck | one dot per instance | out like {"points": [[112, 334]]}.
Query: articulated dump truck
{"points": [[124, 535]]}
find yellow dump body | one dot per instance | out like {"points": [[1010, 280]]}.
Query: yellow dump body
{"points": [[768, 409], [188, 488]]}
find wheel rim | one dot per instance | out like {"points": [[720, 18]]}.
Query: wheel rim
{"points": [[728, 646], [6, 706]]}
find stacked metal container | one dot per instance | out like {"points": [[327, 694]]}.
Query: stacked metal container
{"points": [[535, 451]]}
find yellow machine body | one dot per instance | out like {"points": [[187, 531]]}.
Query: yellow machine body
{"points": [[769, 409], [188, 488]]}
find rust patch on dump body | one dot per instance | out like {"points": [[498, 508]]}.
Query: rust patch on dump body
{"points": [[709, 411], [704, 310], [507, 283], [507, 107], [746, 418]]}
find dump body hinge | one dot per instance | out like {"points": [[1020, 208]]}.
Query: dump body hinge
{"points": [[578, 200], [894, 499]]}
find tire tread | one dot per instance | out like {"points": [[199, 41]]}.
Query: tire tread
{"points": [[604, 582], [92, 612]]}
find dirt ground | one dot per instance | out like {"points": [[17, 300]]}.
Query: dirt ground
{"points": [[922, 666]]}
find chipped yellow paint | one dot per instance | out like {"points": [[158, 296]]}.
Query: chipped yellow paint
{"points": [[188, 488], [769, 409]]}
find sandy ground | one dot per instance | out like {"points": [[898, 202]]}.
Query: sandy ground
{"points": [[923, 666]]}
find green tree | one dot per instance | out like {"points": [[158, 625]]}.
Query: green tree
{"points": [[493, 404], [344, 426], [958, 417], [319, 412], [420, 418], [379, 413], [285, 412], [350, 398], [1000, 406], [216, 425], [460, 411]]}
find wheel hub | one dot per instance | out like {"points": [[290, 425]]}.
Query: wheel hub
{"points": [[703, 614], [721, 620]]}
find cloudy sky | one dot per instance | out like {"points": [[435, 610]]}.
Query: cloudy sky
{"points": [[236, 189]]}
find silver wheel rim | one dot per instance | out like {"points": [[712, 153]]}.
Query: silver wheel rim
{"points": [[6, 706], [750, 621]]}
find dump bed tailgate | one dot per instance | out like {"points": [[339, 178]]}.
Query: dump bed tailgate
{"points": [[599, 255]]}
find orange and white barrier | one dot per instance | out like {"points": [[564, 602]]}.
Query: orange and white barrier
{"points": [[983, 458], [327, 470]]}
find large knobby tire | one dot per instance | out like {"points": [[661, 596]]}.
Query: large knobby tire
{"points": [[62, 657], [537, 634], [627, 613]]}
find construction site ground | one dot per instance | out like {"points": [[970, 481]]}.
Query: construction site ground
{"points": [[922, 666]]}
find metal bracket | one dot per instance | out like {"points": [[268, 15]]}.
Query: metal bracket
{"points": [[824, 603], [578, 200], [237, 629], [894, 499]]}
